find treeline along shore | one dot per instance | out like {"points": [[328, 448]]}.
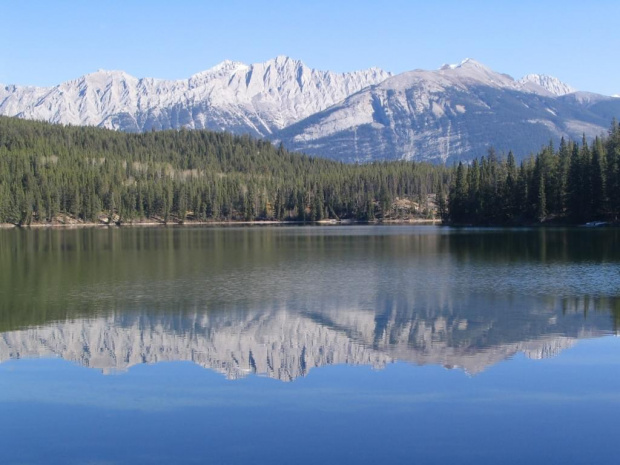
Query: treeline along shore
{"points": [[575, 184], [49, 173], [52, 174]]}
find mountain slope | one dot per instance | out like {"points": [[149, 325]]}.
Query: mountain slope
{"points": [[456, 112], [552, 84], [255, 99]]}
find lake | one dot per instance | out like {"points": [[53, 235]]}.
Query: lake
{"points": [[303, 344]]}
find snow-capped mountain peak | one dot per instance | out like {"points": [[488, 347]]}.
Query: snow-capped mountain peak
{"points": [[228, 65], [110, 73], [470, 71], [551, 84], [470, 62], [256, 99], [221, 70], [452, 113], [467, 62], [284, 59]]}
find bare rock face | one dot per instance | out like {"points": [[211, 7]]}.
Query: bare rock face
{"points": [[549, 83], [454, 113], [253, 99]]}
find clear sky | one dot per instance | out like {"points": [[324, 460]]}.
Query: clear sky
{"points": [[46, 42]]}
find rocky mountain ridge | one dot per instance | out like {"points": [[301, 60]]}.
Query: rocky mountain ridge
{"points": [[454, 113], [256, 99], [549, 83]]}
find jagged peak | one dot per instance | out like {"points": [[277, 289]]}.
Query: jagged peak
{"points": [[470, 70], [101, 78], [226, 66], [471, 63], [377, 69], [109, 73], [466, 63], [282, 61], [549, 83]]}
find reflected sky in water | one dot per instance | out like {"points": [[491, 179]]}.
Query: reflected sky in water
{"points": [[356, 344]]}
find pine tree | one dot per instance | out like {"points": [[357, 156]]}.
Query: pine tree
{"points": [[542, 198], [458, 196]]}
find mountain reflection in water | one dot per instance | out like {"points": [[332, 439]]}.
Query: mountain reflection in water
{"points": [[281, 301]]}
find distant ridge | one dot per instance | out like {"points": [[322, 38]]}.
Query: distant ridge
{"points": [[256, 99], [454, 113], [549, 83]]}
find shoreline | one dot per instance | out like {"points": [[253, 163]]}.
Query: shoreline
{"points": [[77, 225], [331, 222]]}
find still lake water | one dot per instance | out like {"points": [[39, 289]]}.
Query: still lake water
{"points": [[290, 345]]}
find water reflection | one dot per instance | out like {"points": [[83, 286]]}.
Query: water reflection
{"points": [[280, 301], [285, 345]]}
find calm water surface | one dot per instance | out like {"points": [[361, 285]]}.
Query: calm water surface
{"points": [[279, 345]]}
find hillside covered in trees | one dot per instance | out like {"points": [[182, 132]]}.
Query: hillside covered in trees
{"points": [[53, 174], [48, 172], [575, 184]]}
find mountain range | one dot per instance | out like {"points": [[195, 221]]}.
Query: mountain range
{"points": [[453, 113], [258, 99]]}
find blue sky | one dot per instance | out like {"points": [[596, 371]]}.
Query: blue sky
{"points": [[45, 42]]}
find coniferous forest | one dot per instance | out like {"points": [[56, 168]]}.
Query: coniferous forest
{"points": [[50, 171], [90, 175], [575, 184]]}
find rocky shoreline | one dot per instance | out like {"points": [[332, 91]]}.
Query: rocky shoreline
{"points": [[153, 223]]}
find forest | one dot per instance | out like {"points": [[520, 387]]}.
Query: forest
{"points": [[575, 184], [49, 173]]}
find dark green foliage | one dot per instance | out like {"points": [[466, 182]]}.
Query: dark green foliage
{"points": [[47, 171], [576, 184]]}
